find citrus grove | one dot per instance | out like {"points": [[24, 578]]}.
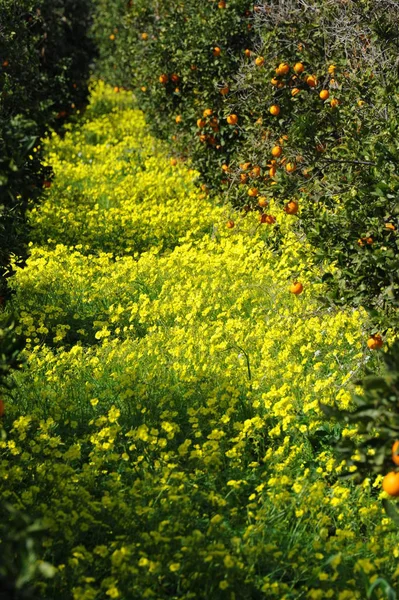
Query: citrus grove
{"points": [[165, 429], [199, 290]]}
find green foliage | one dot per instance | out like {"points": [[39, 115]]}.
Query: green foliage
{"points": [[44, 62], [179, 43], [375, 418]]}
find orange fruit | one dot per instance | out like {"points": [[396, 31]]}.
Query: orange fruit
{"points": [[295, 91], [201, 123], [274, 110], [395, 452], [253, 192], [144, 36], [272, 171], [390, 226], [274, 81], [360, 103], [225, 168], [2, 408], [203, 138], [173, 162], [291, 208], [247, 53], [222, 4], [390, 484], [311, 80], [230, 224], [296, 288], [207, 112], [298, 68], [277, 151], [269, 219], [224, 90], [259, 61], [232, 119], [112, 37], [245, 166], [175, 78], [255, 171], [262, 201], [163, 78], [290, 167], [334, 102], [332, 69], [243, 178], [324, 94], [178, 119], [283, 68], [217, 51], [375, 341]]}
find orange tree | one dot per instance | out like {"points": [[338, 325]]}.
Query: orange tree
{"points": [[321, 141], [179, 59]]}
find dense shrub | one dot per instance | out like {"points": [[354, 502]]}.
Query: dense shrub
{"points": [[44, 65]]}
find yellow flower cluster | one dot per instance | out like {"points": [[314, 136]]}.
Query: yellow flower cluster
{"points": [[166, 425]]}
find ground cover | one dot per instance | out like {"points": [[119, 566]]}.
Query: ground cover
{"points": [[166, 427]]}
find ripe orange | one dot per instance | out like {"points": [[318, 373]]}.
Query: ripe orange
{"points": [[112, 37], [395, 452], [390, 226], [207, 112], [5, 63], [225, 168], [274, 110], [291, 208], [178, 119], [296, 288], [332, 69], [360, 103], [201, 123], [247, 53], [175, 78], [222, 4], [253, 192], [243, 178], [245, 166], [311, 80], [274, 81], [47, 184], [225, 90], [217, 51], [173, 162], [334, 102], [272, 171], [203, 138], [270, 219], [259, 61], [262, 201], [230, 224], [390, 484], [277, 151], [163, 78], [290, 167], [144, 36], [283, 68], [295, 91], [298, 68], [255, 171], [375, 341], [324, 94], [232, 119]]}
